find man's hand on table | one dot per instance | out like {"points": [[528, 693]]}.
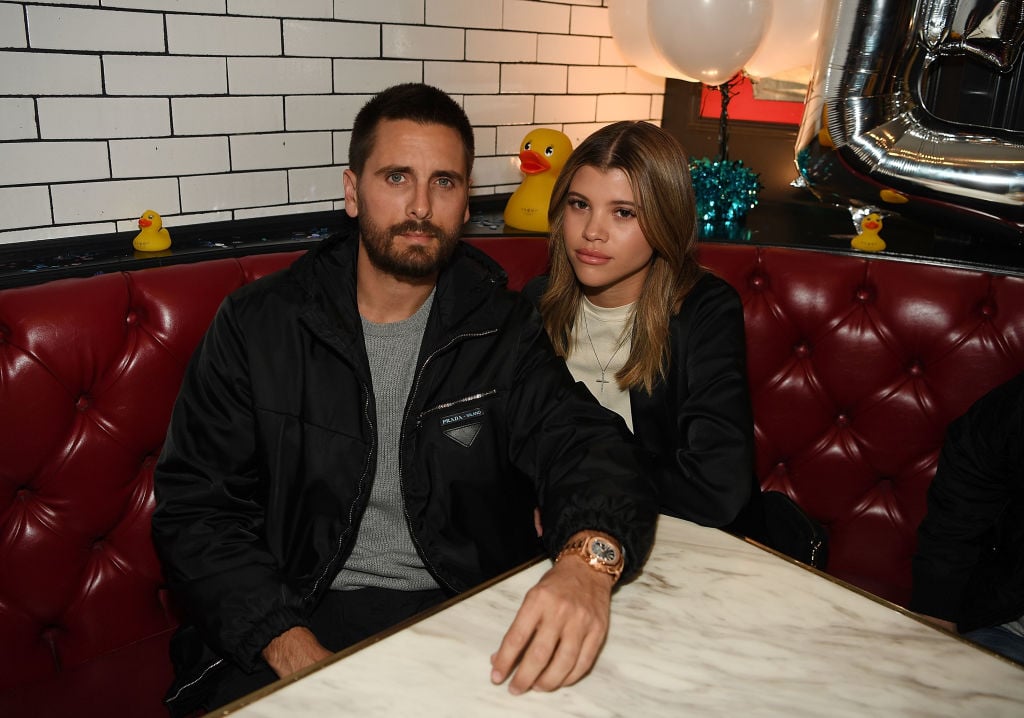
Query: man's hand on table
{"points": [[558, 631], [294, 650]]}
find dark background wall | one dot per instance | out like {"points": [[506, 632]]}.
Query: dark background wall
{"points": [[959, 90], [768, 149]]}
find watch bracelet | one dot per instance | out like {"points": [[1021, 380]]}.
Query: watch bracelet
{"points": [[574, 547]]}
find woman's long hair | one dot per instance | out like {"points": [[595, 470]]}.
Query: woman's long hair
{"points": [[659, 175]]}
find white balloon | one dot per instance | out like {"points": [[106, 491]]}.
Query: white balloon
{"points": [[710, 40], [628, 20], [791, 40]]}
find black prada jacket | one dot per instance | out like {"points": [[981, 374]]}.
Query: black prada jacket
{"points": [[271, 451]]}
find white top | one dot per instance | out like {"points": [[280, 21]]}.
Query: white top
{"points": [[601, 343], [714, 626]]}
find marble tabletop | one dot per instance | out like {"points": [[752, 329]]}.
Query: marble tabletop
{"points": [[714, 626]]}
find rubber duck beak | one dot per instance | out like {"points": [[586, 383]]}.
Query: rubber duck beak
{"points": [[871, 225], [532, 163], [143, 223]]}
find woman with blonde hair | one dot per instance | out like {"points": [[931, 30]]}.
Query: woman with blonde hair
{"points": [[654, 336]]}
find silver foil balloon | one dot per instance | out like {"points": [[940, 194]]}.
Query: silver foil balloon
{"points": [[989, 29], [868, 140]]}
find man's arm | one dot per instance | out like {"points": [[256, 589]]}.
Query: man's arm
{"points": [[558, 631], [208, 524], [588, 470], [560, 628], [591, 477]]}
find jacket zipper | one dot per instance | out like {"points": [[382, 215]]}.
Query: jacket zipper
{"points": [[456, 402], [351, 514], [817, 543], [815, 549], [194, 681], [401, 453]]}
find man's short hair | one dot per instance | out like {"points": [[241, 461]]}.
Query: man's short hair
{"points": [[414, 101]]}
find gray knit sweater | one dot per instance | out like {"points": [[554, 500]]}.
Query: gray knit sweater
{"points": [[384, 555]]}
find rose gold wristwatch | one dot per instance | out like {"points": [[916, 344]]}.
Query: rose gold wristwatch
{"points": [[600, 551]]}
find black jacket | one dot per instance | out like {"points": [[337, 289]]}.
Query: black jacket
{"points": [[697, 424], [969, 565], [272, 447]]}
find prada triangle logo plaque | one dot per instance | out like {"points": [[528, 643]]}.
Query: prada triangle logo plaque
{"points": [[464, 427], [465, 434]]}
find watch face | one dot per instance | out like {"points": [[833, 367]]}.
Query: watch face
{"points": [[604, 551]]}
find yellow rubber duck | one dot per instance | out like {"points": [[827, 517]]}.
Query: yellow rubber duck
{"points": [[868, 239], [152, 236], [542, 155]]}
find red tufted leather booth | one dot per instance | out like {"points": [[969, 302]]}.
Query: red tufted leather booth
{"points": [[856, 366]]}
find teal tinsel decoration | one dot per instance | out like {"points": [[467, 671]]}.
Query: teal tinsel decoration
{"points": [[725, 189]]}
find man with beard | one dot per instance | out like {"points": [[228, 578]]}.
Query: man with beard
{"points": [[369, 432]]}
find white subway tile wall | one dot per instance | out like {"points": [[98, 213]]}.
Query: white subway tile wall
{"points": [[275, 8], [35, 74], [61, 28], [459, 13], [211, 110], [17, 118], [318, 38], [25, 163], [287, 149], [64, 118], [169, 155], [110, 201], [12, 26], [24, 203], [226, 115]]}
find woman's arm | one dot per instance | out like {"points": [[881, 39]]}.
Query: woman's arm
{"points": [[699, 421]]}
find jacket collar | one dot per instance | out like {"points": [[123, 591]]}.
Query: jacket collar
{"points": [[327, 275]]}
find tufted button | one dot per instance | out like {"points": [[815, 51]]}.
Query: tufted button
{"points": [[757, 281], [83, 403], [49, 636], [842, 419], [802, 350], [781, 468], [916, 369], [23, 493], [3, 334], [987, 310], [864, 295], [99, 543], [132, 319]]}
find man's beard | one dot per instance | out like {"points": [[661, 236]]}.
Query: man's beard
{"points": [[413, 262]]}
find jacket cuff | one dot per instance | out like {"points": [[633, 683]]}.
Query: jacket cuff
{"points": [[249, 654], [636, 541]]}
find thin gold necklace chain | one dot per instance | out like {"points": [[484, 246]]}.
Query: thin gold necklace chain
{"points": [[622, 341]]}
